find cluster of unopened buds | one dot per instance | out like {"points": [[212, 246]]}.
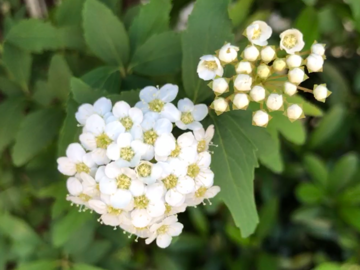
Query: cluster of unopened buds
{"points": [[130, 168], [262, 76]]}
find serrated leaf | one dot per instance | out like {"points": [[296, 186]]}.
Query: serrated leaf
{"points": [[12, 113], [33, 35], [208, 28], [239, 11], [106, 78], [107, 37], [316, 169], [343, 172], [83, 93], [153, 18], [70, 131], [68, 13], [36, 131], [18, 63], [59, 77], [159, 55], [310, 30], [41, 264]]}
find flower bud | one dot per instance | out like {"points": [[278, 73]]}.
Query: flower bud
{"points": [[241, 101], [321, 92], [268, 54], [260, 118], [290, 89], [296, 75], [251, 53], [228, 53], [294, 61], [274, 102], [220, 85], [279, 64], [220, 105], [263, 71], [294, 112], [243, 82], [318, 49], [314, 63], [257, 93], [244, 67]]}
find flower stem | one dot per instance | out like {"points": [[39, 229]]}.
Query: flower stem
{"points": [[304, 89]]}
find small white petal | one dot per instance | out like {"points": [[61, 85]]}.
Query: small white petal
{"points": [[175, 229], [156, 209], [163, 240], [121, 198], [88, 140], [121, 109], [66, 166], [174, 198], [185, 105], [137, 188], [102, 106], [171, 112], [168, 92], [140, 218], [148, 94], [185, 185], [108, 186], [95, 124], [75, 152], [74, 186], [136, 115], [98, 206], [200, 112]]}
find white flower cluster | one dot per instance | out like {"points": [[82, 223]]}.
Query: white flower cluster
{"points": [[262, 76], [130, 169]]}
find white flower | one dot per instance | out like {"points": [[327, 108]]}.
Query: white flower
{"points": [[191, 114], [279, 65], [220, 85], [296, 75], [153, 129], [159, 101], [268, 54], [220, 105], [294, 112], [200, 170], [101, 107], [257, 93], [258, 33], [241, 101], [98, 136], [321, 92], [209, 67], [148, 172], [244, 67], [243, 82], [90, 185], [228, 53], [164, 231], [263, 71], [294, 61], [129, 118], [292, 41], [76, 161], [318, 49], [164, 146], [251, 53], [74, 186], [202, 193], [274, 102], [126, 151], [173, 210], [260, 118], [177, 182], [314, 63], [290, 88], [203, 138]]}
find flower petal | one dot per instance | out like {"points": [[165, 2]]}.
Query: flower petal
{"points": [[175, 229], [136, 115], [102, 106], [66, 166], [108, 186], [75, 152], [140, 218], [111, 220], [124, 140], [156, 209], [113, 151], [121, 198], [171, 112], [163, 126], [185, 105], [88, 140], [185, 185], [74, 186], [168, 92], [174, 198], [98, 206], [99, 156], [114, 129], [95, 124], [121, 109], [163, 240], [137, 188], [200, 112]]}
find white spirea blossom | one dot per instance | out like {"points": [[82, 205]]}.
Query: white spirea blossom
{"points": [[228, 53], [267, 54], [314, 63], [290, 89], [209, 67], [220, 85], [241, 101], [244, 67], [251, 53], [292, 41], [294, 112], [258, 33], [243, 82], [260, 118], [132, 171], [257, 93], [274, 102]]}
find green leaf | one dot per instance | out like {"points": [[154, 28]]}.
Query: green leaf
{"points": [[328, 127], [316, 169], [12, 113], [42, 95], [106, 78], [268, 217], [41, 264], [328, 266], [351, 215], [9, 87], [153, 18], [199, 220], [33, 35], [83, 93], [343, 172], [69, 13], [18, 63], [36, 131], [309, 108], [59, 77], [71, 37], [70, 132], [308, 193], [159, 55], [273, 160], [82, 266], [234, 162], [106, 37], [355, 9], [310, 30], [239, 11], [131, 97], [208, 28]]}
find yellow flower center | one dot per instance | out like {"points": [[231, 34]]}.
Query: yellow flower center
{"points": [[126, 153], [200, 192], [84, 197], [167, 208], [113, 211], [156, 105], [163, 229], [290, 41], [81, 167], [187, 118], [174, 153], [123, 181], [150, 137], [170, 181], [212, 65], [193, 170], [141, 202], [126, 122], [144, 170], [102, 141], [201, 147], [256, 34]]}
